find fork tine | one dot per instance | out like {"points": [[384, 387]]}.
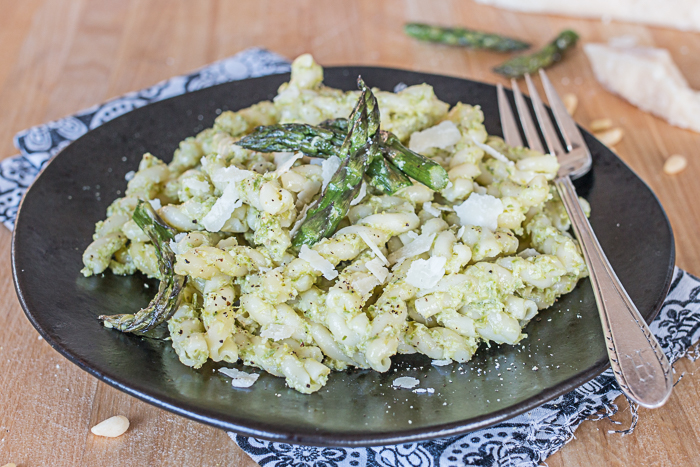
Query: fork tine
{"points": [[550, 134], [567, 126], [533, 139], [510, 129]]}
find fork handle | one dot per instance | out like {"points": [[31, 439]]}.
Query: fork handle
{"points": [[636, 358]]}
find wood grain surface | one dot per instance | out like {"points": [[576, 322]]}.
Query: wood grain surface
{"points": [[59, 56]]}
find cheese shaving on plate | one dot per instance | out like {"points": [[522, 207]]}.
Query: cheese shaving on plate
{"points": [[420, 245], [372, 246], [376, 267], [222, 209], [277, 332], [365, 284], [441, 136], [360, 195], [285, 164], [480, 210], [328, 168], [240, 379], [405, 382], [492, 152], [318, 262], [430, 209], [444, 362], [230, 174], [426, 273], [300, 220]]}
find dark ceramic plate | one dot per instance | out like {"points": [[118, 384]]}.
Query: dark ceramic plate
{"points": [[565, 342]]}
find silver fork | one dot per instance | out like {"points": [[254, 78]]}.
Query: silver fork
{"points": [[638, 362]]}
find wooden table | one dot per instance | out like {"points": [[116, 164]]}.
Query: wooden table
{"points": [[59, 56]]}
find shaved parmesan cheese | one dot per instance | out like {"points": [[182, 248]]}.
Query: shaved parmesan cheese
{"points": [[222, 209], [360, 195], [426, 274], [405, 382], [439, 136], [277, 332], [372, 246], [649, 79], [445, 362], [155, 203], [480, 210], [300, 220], [420, 245], [460, 232], [528, 253], [365, 284], [318, 262], [428, 207], [492, 152], [175, 240], [376, 267], [679, 14], [286, 163], [240, 379], [328, 168], [230, 174]]}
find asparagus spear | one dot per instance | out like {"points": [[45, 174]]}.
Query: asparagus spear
{"points": [[464, 37], [165, 303], [323, 217], [312, 141], [426, 171], [549, 55]]}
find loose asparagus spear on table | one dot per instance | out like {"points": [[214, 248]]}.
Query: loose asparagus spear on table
{"points": [[359, 147], [464, 37], [165, 303], [550, 54]]}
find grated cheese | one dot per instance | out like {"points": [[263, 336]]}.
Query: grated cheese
{"points": [[372, 246], [376, 267], [277, 332], [440, 136], [426, 274], [318, 262], [460, 232], [480, 210], [328, 168], [405, 382], [222, 209], [240, 379], [155, 203]]}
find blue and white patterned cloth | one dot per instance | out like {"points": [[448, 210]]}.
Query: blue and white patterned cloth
{"points": [[526, 440]]}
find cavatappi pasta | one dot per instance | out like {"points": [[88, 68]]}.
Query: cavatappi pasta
{"points": [[420, 271]]}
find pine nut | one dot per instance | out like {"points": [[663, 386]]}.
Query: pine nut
{"points": [[675, 164], [570, 102], [112, 427], [610, 137], [601, 124]]}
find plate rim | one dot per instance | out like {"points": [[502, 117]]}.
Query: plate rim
{"points": [[268, 431]]}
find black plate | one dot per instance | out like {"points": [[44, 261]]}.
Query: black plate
{"points": [[55, 224]]}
